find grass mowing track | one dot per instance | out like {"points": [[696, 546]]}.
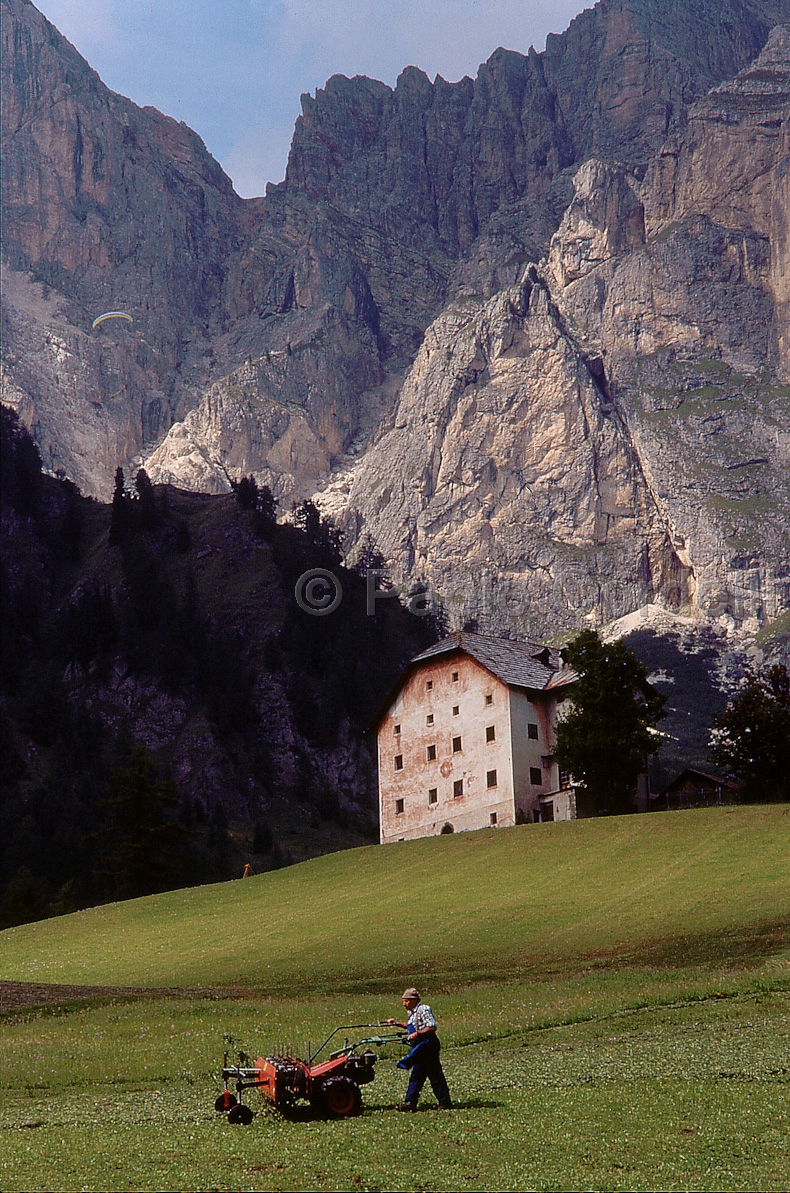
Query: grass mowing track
{"points": [[613, 998]]}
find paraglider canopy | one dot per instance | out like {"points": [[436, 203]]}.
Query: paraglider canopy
{"points": [[110, 315]]}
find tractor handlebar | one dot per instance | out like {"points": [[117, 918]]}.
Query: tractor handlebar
{"points": [[380, 1040]]}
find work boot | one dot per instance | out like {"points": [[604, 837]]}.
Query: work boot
{"points": [[406, 1106]]}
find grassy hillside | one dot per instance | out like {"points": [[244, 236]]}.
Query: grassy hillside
{"points": [[613, 1000], [661, 889]]}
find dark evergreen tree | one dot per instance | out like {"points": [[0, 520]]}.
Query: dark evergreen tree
{"points": [[91, 626], [119, 519], [265, 517], [606, 736], [23, 900], [144, 842], [320, 532], [751, 737], [246, 491], [20, 465], [147, 512], [183, 538], [369, 558], [262, 837]]}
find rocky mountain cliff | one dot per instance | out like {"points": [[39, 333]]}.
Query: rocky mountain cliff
{"points": [[614, 429], [529, 331]]}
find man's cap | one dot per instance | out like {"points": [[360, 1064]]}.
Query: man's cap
{"points": [[411, 993]]}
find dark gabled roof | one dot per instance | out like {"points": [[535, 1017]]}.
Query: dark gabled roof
{"points": [[694, 772], [529, 665], [517, 664]]}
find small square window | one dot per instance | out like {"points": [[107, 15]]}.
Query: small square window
{"points": [[489, 698], [456, 745], [455, 677], [492, 818], [532, 731], [398, 807], [490, 778], [398, 762], [429, 719], [430, 753], [429, 685], [456, 709], [458, 788], [396, 730], [490, 733], [433, 795], [535, 776]]}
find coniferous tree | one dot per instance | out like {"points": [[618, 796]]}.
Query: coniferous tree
{"points": [[265, 517], [751, 737], [144, 841], [183, 538], [246, 491], [20, 465], [148, 513], [119, 519], [606, 736], [23, 900], [320, 532]]}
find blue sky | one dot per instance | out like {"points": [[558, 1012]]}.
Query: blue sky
{"points": [[234, 69]]}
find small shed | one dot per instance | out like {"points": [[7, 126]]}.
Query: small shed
{"points": [[695, 788]]}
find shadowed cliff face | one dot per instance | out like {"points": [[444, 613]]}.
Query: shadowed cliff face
{"points": [[105, 205], [273, 336]]}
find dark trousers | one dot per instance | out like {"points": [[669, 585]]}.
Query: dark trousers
{"points": [[428, 1066]]}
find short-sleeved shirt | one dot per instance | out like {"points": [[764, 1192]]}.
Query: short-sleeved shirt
{"points": [[421, 1017]]}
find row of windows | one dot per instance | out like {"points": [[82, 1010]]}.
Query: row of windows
{"points": [[458, 790], [535, 775], [430, 752], [532, 729], [429, 682]]}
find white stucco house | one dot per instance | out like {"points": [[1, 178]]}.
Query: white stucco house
{"points": [[466, 739]]}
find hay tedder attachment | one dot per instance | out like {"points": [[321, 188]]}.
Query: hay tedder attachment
{"points": [[332, 1087]]}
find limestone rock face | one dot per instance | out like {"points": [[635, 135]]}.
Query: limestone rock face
{"points": [[509, 482], [109, 206], [690, 318], [640, 444], [394, 200], [530, 331]]}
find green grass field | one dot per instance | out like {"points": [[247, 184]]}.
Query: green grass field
{"points": [[613, 999]]}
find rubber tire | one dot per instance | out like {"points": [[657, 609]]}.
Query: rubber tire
{"points": [[340, 1097], [225, 1102], [240, 1116]]}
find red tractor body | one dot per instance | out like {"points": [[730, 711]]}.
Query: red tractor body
{"points": [[332, 1087]]}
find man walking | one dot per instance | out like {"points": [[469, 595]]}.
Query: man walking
{"points": [[424, 1056]]}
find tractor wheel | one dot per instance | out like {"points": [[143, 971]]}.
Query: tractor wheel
{"points": [[225, 1102], [341, 1097], [240, 1116]]}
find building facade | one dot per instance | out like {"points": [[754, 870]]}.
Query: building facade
{"points": [[466, 739]]}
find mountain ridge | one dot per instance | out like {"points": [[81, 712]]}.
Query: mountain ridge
{"points": [[289, 350]]}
